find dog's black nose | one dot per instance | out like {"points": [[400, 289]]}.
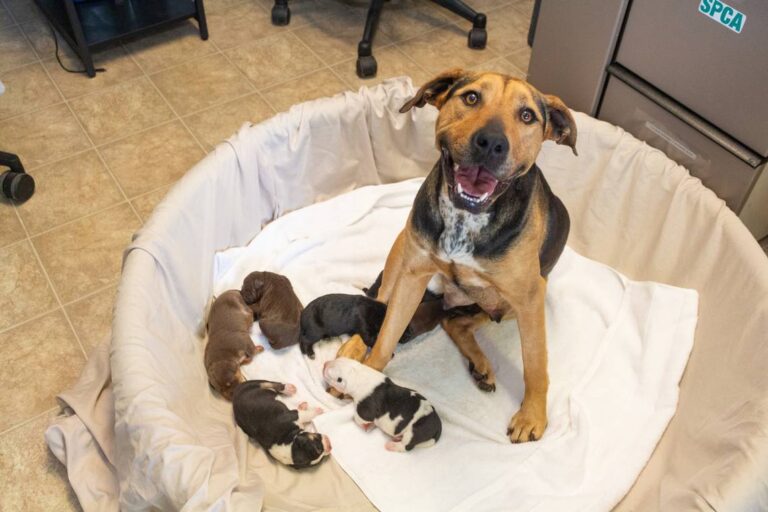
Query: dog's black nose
{"points": [[490, 146]]}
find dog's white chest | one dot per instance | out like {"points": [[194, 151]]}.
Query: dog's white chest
{"points": [[461, 228]]}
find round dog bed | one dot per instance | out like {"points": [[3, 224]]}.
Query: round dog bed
{"points": [[631, 208]]}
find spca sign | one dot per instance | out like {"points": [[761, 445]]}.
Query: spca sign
{"points": [[724, 14]]}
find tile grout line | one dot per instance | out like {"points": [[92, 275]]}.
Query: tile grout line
{"points": [[173, 110], [91, 214], [31, 243], [34, 249], [324, 62], [242, 73], [77, 219], [96, 149], [111, 141], [67, 100], [28, 421], [92, 293], [53, 289], [31, 318]]}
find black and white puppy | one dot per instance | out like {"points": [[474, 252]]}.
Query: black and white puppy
{"points": [[399, 412], [276, 428]]}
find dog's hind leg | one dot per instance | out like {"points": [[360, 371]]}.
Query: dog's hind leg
{"points": [[461, 329]]}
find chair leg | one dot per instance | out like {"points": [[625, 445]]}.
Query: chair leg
{"points": [[478, 36], [281, 14], [201, 20], [366, 63], [15, 183]]}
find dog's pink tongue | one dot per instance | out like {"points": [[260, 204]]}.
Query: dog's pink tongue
{"points": [[475, 181]]}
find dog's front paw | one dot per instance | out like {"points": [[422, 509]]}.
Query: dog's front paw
{"points": [[484, 378], [527, 425], [289, 390], [303, 406]]}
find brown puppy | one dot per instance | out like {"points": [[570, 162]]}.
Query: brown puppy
{"points": [[275, 306], [229, 342], [487, 223]]}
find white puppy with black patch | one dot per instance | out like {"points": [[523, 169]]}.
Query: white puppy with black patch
{"points": [[399, 412]]}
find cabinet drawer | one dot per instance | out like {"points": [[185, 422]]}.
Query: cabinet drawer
{"points": [[728, 176], [715, 71]]}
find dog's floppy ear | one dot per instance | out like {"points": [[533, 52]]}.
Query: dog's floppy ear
{"points": [[434, 91], [561, 127]]}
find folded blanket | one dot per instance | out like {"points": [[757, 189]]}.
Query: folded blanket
{"points": [[617, 350]]}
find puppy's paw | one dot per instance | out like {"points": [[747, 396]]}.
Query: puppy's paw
{"points": [[527, 425], [303, 406], [258, 349], [485, 380], [289, 390], [319, 411], [393, 446]]}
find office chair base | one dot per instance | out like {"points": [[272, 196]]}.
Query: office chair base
{"points": [[366, 66], [477, 38], [18, 186], [281, 14]]}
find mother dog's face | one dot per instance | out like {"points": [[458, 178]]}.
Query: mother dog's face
{"points": [[490, 130]]}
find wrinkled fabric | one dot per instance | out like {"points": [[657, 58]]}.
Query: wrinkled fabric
{"points": [[617, 349], [631, 208], [82, 437]]}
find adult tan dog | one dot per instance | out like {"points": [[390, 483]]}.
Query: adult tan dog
{"points": [[486, 222]]}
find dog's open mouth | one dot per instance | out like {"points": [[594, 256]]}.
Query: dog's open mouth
{"points": [[473, 185]]}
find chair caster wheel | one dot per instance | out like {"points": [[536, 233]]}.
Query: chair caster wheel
{"points": [[366, 66], [281, 15], [477, 38], [18, 186]]}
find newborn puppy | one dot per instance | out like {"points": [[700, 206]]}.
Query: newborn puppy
{"points": [[275, 306], [229, 342], [399, 412], [275, 427], [338, 313]]}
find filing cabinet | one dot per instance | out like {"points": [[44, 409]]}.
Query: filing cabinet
{"points": [[689, 77]]}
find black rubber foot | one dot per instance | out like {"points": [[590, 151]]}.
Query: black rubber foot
{"points": [[18, 186], [366, 66], [477, 38], [281, 15]]}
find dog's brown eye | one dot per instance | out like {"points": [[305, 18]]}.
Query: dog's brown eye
{"points": [[526, 115], [471, 98]]}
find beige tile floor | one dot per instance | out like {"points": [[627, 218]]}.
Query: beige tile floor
{"points": [[105, 150]]}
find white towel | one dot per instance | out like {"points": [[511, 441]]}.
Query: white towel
{"points": [[617, 350]]}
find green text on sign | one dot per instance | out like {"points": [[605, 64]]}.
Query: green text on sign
{"points": [[724, 14]]}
